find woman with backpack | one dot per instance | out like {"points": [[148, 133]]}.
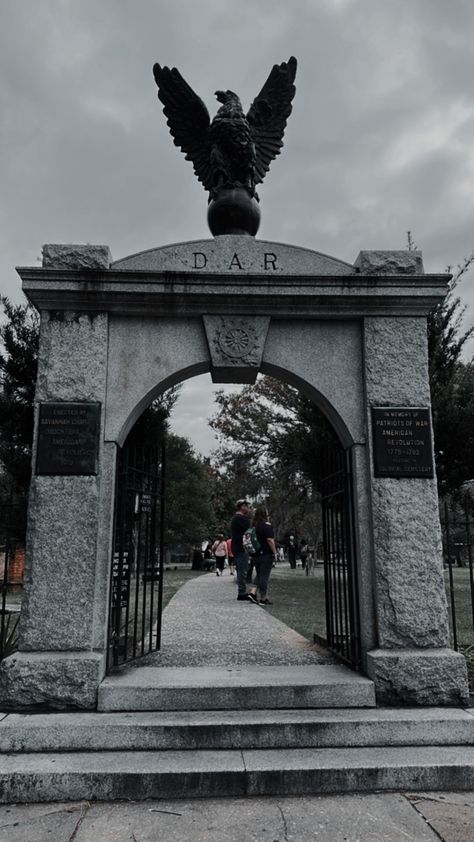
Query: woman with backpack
{"points": [[264, 557]]}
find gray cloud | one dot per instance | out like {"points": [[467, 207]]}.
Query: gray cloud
{"points": [[381, 139]]}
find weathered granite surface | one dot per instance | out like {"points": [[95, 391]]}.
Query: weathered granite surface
{"points": [[418, 676], [73, 359], [146, 356], [324, 359], [63, 511], [51, 679], [60, 564], [396, 361], [235, 255], [390, 262], [236, 346], [411, 602], [75, 256]]}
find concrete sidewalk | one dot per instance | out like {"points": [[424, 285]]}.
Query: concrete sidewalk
{"points": [[422, 817], [205, 625]]}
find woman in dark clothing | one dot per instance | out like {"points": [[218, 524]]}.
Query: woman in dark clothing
{"points": [[265, 556]]}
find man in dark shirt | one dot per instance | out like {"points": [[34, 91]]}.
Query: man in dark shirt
{"points": [[239, 525]]}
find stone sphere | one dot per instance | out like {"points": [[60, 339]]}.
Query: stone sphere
{"points": [[233, 212]]}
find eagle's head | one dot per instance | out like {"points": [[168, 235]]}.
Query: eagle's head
{"points": [[226, 97]]}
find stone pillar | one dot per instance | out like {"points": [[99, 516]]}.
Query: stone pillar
{"points": [[61, 654], [412, 664]]}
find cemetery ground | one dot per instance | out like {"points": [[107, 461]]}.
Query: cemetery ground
{"points": [[299, 601]]}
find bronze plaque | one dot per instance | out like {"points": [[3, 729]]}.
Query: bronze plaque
{"points": [[402, 441], [68, 438]]}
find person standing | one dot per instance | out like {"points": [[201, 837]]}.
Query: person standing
{"points": [[239, 525], [265, 556], [219, 549], [230, 556], [291, 549], [304, 550]]}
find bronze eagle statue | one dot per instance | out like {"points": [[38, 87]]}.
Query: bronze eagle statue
{"points": [[235, 150]]}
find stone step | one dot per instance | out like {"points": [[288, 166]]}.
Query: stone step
{"points": [[139, 775], [256, 729], [234, 688]]}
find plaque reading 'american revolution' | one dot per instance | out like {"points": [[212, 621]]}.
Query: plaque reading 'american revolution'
{"points": [[402, 442], [68, 438]]}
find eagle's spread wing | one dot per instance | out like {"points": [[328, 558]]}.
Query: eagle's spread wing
{"points": [[188, 119], [268, 115]]}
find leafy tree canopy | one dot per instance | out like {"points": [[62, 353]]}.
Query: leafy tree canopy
{"points": [[452, 389], [19, 338], [270, 442], [190, 516]]}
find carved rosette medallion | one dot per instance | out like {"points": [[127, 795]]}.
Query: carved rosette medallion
{"points": [[236, 340], [236, 346]]}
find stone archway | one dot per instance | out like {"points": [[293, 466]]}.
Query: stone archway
{"points": [[135, 618], [354, 334]]}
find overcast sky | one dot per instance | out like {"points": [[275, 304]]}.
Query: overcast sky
{"points": [[381, 139]]}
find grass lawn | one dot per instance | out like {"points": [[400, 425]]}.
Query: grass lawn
{"points": [[464, 618], [299, 602], [298, 599]]}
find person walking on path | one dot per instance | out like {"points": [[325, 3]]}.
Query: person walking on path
{"points": [[219, 549], [291, 549], [230, 556], [304, 550], [265, 556], [239, 525]]}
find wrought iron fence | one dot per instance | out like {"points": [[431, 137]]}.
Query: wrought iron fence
{"points": [[12, 557], [457, 524]]}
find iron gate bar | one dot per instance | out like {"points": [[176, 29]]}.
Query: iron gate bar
{"points": [[352, 567], [451, 578], [469, 556], [162, 541], [341, 588], [136, 583]]}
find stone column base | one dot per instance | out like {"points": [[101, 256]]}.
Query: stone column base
{"points": [[51, 679], [418, 676]]}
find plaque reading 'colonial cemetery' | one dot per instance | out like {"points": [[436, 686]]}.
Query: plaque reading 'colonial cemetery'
{"points": [[402, 442], [68, 438]]}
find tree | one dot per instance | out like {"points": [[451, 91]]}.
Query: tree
{"points": [[19, 337], [279, 461], [151, 428], [452, 389], [190, 516]]}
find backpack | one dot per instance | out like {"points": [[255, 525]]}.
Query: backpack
{"points": [[250, 541]]}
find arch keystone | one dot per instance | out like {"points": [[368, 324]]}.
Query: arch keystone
{"points": [[236, 345]]}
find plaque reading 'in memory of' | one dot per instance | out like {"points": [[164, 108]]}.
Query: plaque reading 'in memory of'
{"points": [[402, 442], [68, 439]]}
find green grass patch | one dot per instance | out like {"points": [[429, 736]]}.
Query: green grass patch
{"points": [[298, 600], [464, 618]]}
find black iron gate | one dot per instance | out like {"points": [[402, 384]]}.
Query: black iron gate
{"points": [[340, 557], [136, 590]]}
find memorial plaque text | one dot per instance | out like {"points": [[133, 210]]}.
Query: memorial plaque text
{"points": [[68, 438], [402, 442]]}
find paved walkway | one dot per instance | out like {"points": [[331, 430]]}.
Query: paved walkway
{"points": [[422, 817], [205, 625]]}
